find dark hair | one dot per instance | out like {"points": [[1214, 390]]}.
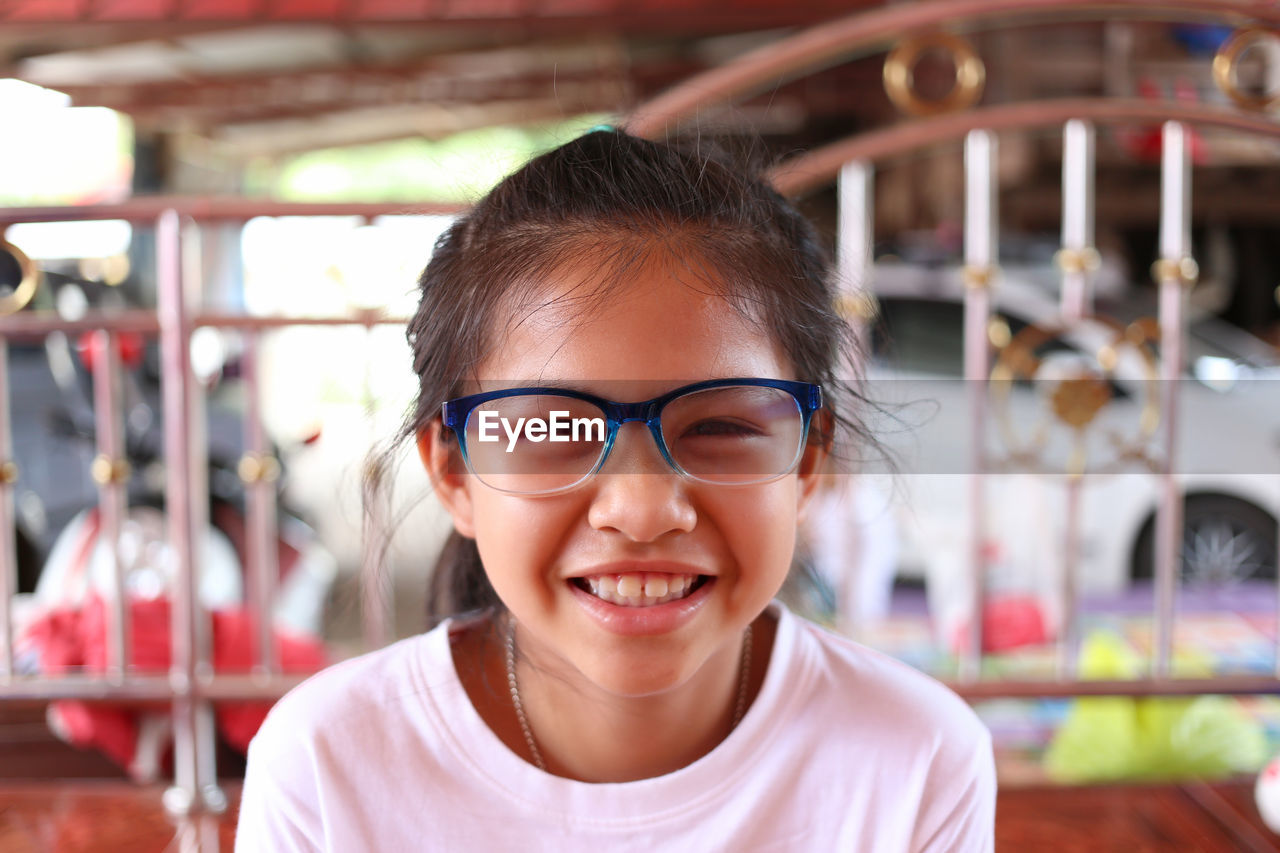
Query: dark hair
{"points": [[610, 196]]}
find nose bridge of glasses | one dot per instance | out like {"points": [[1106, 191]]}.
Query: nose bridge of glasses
{"points": [[631, 456]]}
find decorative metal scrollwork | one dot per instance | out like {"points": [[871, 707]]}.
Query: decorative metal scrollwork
{"points": [[899, 75], [1077, 393]]}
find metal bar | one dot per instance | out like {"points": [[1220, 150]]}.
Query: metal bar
{"points": [[144, 688], [175, 352], [148, 209], [870, 30], [855, 256], [819, 167], [8, 530], [1077, 217], [855, 259], [1175, 248], [1230, 686], [35, 325], [242, 321], [211, 797], [375, 596], [1069, 643], [1076, 302], [110, 472], [981, 255], [255, 470], [256, 688]]}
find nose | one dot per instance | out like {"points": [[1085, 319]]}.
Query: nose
{"points": [[637, 493]]}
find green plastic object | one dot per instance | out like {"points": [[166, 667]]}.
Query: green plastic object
{"points": [[1110, 739]]}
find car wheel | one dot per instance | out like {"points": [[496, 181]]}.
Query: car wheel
{"points": [[1225, 540]]}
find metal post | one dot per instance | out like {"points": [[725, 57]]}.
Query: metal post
{"points": [[1174, 271], [375, 594], [1078, 252], [192, 719], [855, 260], [258, 471], [1076, 261], [1069, 643], [855, 255], [8, 544], [111, 472], [981, 255]]}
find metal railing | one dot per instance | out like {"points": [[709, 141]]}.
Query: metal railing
{"points": [[190, 686], [904, 32]]}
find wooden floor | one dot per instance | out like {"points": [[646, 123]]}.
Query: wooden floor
{"points": [[84, 816]]}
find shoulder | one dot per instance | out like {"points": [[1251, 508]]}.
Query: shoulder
{"points": [[925, 760], [362, 697], [880, 688]]}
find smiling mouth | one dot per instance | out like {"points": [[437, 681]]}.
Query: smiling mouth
{"points": [[640, 589]]}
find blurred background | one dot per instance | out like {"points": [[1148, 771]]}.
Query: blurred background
{"points": [[315, 151]]}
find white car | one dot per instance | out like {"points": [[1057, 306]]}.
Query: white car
{"points": [[1228, 458]]}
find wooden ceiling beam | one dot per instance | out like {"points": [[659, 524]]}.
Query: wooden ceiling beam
{"points": [[568, 16]]}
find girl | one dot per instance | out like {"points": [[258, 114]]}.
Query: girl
{"points": [[626, 356]]}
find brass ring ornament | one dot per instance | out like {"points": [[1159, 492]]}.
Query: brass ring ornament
{"points": [[977, 277], [1078, 260], [28, 280], [1225, 63], [258, 468], [1184, 270], [899, 75], [859, 306], [106, 470], [1077, 399]]}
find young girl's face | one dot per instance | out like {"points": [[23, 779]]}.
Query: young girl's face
{"points": [[636, 516]]}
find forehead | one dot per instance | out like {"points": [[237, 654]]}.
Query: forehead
{"points": [[655, 325]]}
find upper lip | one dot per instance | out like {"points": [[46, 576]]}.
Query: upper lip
{"points": [[623, 567]]}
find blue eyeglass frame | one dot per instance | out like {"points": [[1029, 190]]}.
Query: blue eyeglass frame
{"points": [[808, 397]]}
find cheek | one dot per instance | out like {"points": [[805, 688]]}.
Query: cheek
{"points": [[760, 529], [519, 540]]}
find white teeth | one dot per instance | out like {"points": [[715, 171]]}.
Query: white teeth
{"points": [[629, 586], [655, 587], [640, 589]]}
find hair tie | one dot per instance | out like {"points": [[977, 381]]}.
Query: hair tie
{"points": [[605, 128]]}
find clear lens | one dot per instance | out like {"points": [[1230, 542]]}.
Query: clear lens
{"points": [[736, 434], [541, 443], [534, 443]]}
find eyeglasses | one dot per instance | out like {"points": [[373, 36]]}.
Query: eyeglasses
{"points": [[539, 441]]}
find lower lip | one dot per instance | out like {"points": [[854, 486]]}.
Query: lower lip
{"points": [[641, 621]]}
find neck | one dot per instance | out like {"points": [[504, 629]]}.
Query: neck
{"points": [[584, 732]]}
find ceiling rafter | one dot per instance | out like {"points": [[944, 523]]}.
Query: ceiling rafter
{"points": [[545, 15]]}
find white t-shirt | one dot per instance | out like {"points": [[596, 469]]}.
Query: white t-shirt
{"points": [[843, 749]]}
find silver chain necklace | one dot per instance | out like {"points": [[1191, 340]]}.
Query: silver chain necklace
{"points": [[740, 708]]}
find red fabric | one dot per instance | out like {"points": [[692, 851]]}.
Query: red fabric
{"points": [[1008, 621], [75, 638]]}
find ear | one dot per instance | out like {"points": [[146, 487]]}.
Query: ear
{"points": [[439, 454], [814, 463]]}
